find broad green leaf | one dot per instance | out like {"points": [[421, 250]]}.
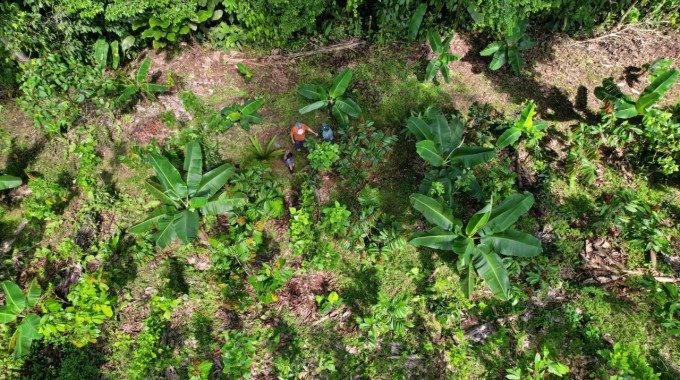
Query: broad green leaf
{"points": [[526, 118], [429, 152], [340, 116], [153, 87], [644, 102], [169, 176], [143, 71], [204, 15], [7, 315], [348, 106], [313, 107], [193, 166], [434, 211], [419, 128], [445, 72], [441, 132], [165, 233], [509, 137], [33, 294], [251, 106], [101, 52], [526, 43], [9, 182], [435, 41], [214, 180], [432, 69], [470, 156], [478, 220], [127, 43], [154, 220], [446, 44], [515, 59], [156, 190], [224, 204], [610, 91], [498, 60], [14, 297], [491, 48], [435, 238], [491, 269], [457, 127], [464, 246], [506, 214], [127, 93], [172, 37], [468, 280], [416, 21], [513, 243], [313, 92], [197, 202], [624, 109], [115, 55], [340, 84], [25, 334], [661, 83], [186, 225]]}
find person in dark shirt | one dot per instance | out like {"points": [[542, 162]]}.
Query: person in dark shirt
{"points": [[288, 160]]}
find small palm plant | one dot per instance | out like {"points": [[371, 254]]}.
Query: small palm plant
{"points": [[264, 152], [182, 200]]}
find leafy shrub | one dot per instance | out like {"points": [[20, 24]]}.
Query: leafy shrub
{"points": [[269, 279], [55, 88], [264, 152], [89, 306], [440, 63], [336, 219], [237, 354], [525, 125], [628, 362], [389, 315], [364, 148], [302, 236], [45, 200], [322, 156], [508, 49], [139, 85], [541, 367]]}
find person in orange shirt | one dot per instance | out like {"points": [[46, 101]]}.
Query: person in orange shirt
{"points": [[297, 135]]}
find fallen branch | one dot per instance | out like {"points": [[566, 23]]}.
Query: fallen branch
{"points": [[328, 49]]}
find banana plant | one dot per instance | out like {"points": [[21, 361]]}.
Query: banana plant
{"points": [[479, 244], [341, 107], [182, 200], [241, 114], [440, 143], [9, 182], [101, 51], [625, 107], [509, 49], [440, 63], [524, 125], [16, 307], [138, 83]]}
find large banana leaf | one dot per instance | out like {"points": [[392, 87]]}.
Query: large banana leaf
{"points": [[101, 52], [464, 247], [313, 107], [509, 137], [490, 268], [313, 92], [435, 238], [432, 69], [213, 180], [33, 294], [478, 220], [251, 106], [155, 219], [435, 41], [24, 335], [428, 151], [468, 280], [513, 243], [348, 106], [609, 91], [9, 182], [193, 166], [499, 59], [506, 214], [624, 109], [419, 128], [14, 297], [143, 71], [434, 212], [491, 48], [470, 156], [169, 176], [515, 59], [165, 233], [526, 118], [224, 204], [7, 315], [340, 84], [340, 116], [186, 225], [661, 83], [416, 20], [441, 132], [157, 191], [457, 127], [115, 55], [153, 87]]}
